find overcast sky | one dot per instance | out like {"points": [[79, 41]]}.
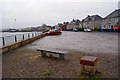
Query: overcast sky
{"points": [[37, 12]]}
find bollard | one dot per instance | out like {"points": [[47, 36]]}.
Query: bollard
{"points": [[15, 38], [23, 36], [32, 35], [3, 41], [28, 35]]}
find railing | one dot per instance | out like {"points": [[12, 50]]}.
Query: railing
{"points": [[14, 38]]}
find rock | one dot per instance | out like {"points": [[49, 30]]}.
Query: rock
{"points": [[21, 70]]}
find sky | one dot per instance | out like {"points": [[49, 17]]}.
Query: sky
{"points": [[30, 13]]}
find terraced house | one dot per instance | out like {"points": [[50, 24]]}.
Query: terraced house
{"points": [[64, 26], [73, 24], [112, 21], [92, 22]]}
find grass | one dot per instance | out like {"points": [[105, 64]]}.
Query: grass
{"points": [[45, 74], [91, 77]]}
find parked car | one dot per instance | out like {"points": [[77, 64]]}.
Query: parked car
{"points": [[75, 30], [53, 32], [87, 30]]}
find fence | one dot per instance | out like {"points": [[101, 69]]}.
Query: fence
{"points": [[14, 38]]}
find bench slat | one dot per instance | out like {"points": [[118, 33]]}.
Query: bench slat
{"points": [[53, 51]]}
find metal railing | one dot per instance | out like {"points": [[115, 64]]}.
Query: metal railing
{"points": [[5, 40]]}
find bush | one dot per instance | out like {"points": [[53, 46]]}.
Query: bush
{"points": [[97, 29], [80, 29], [64, 29], [108, 30], [45, 74], [119, 30], [116, 30]]}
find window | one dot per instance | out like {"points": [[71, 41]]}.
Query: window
{"points": [[116, 19], [104, 21], [56, 30], [53, 30], [104, 26], [109, 20], [109, 26], [115, 25]]}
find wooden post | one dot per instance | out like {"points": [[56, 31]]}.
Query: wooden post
{"points": [[23, 36], [28, 35], [3, 41], [32, 35], [15, 38], [61, 56]]}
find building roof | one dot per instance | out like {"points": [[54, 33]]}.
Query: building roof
{"points": [[92, 18], [74, 22], [114, 14]]}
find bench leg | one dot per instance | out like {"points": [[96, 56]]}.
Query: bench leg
{"points": [[61, 56], [43, 54]]}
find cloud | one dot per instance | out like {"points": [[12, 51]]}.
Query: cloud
{"points": [[32, 13]]}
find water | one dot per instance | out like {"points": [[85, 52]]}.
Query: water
{"points": [[10, 36]]}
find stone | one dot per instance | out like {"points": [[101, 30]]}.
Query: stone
{"points": [[88, 64], [89, 60]]}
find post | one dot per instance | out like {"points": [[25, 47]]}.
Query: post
{"points": [[61, 56], [15, 38], [32, 35], [23, 36], [35, 33], [43, 54], [28, 35], [3, 41]]}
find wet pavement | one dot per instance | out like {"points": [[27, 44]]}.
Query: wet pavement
{"points": [[102, 42]]}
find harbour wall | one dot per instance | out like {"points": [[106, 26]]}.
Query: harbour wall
{"points": [[18, 44]]}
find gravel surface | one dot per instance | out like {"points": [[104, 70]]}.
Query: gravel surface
{"points": [[26, 62]]}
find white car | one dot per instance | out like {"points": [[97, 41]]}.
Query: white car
{"points": [[87, 30], [75, 30]]}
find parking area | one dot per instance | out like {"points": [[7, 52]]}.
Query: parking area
{"points": [[93, 42]]}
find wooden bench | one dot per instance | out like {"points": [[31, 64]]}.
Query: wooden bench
{"points": [[61, 53]]}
